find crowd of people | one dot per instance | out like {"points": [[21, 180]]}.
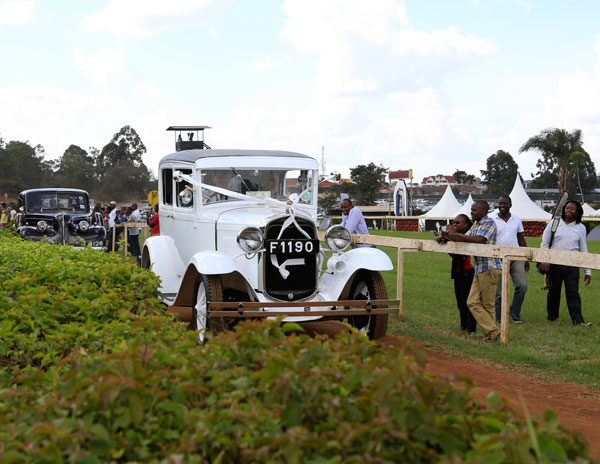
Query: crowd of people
{"points": [[115, 217], [8, 214], [478, 284], [478, 288]]}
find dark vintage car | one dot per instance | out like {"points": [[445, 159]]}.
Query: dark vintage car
{"points": [[59, 215]]}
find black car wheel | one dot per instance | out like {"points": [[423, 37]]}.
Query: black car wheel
{"points": [[369, 285]]}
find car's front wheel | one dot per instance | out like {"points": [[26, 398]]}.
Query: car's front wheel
{"points": [[209, 288], [369, 285]]}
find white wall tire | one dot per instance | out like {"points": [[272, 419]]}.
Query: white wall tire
{"points": [[208, 289]]}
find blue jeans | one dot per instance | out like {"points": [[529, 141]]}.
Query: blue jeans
{"points": [[519, 280]]}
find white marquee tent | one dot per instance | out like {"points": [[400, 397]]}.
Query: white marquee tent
{"points": [[466, 207], [589, 211], [445, 208], [522, 205]]}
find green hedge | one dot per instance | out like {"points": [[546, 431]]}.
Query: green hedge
{"points": [[264, 393]]}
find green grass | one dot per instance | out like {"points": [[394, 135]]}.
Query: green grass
{"points": [[554, 351]]}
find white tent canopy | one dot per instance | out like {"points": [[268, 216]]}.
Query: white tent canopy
{"points": [[589, 211], [522, 205], [445, 208], [466, 207]]}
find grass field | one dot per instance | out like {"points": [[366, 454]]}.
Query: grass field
{"points": [[557, 351]]}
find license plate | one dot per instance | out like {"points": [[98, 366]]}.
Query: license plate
{"points": [[292, 247]]}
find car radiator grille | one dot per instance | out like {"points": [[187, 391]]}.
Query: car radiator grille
{"points": [[302, 280]]}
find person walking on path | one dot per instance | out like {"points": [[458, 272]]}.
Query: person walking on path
{"points": [[462, 273], [487, 270], [570, 235], [354, 221], [510, 233]]}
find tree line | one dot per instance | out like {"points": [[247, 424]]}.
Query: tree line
{"points": [[116, 172], [564, 164]]}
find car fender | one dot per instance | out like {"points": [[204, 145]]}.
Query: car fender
{"points": [[207, 263], [165, 261], [332, 284]]}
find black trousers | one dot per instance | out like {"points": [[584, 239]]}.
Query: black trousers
{"points": [[462, 287], [570, 276]]}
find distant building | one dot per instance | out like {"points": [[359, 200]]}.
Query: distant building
{"points": [[437, 180]]}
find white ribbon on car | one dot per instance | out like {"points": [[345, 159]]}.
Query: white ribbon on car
{"points": [[288, 206], [288, 262]]}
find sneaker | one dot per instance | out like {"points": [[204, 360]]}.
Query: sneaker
{"points": [[516, 319], [583, 324]]}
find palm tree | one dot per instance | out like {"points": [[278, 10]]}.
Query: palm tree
{"points": [[556, 146]]}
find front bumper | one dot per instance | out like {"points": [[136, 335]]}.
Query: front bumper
{"points": [[257, 309]]}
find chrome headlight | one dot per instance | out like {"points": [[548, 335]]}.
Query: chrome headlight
{"points": [[250, 239], [337, 238], [84, 226], [41, 226]]}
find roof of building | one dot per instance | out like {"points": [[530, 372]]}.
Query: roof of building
{"points": [[180, 128], [193, 155]]}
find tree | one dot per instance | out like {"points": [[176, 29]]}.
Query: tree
{"points": [[556, 147], [23, 167], [124, 148], [500, 173], [76, 169], [121, 172], [368, 181], [461, 177]]}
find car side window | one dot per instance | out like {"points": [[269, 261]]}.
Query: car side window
{"points": [[167, 184], [184, 191]]}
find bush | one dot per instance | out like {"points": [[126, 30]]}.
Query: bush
{"points": [[54, 299], [141, 389]]}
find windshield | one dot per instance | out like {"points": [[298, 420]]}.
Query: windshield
{"points": [[53, 202], [259, 183]]}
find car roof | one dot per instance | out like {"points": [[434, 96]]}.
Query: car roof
{"points": [[194, 155], [50, 189]]}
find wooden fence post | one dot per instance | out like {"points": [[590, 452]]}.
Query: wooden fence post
{"points": [[125, 235], [114, 234], [399, 279], [505, 296]]}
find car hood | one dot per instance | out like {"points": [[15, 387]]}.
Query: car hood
{"points": [[238, 218]]}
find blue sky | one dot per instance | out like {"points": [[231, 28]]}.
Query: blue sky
{"points": [[429, 85]]}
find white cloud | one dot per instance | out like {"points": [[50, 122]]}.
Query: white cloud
{"points": [[105, 67], [369, 46], [16, 12], [143, 18], [61, 117], [263, 64]]}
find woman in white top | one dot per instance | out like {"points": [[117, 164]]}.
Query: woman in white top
{"points": [[570, 235]]}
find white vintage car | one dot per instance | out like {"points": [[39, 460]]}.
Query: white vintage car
{"points": [[238, 239]]}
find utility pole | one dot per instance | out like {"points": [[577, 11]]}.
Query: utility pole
{"points": [[323, 170]]}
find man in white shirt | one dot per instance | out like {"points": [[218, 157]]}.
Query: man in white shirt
{"points": [[510, 233], [134, 232]]}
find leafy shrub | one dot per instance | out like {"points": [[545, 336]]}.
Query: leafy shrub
{"points": [[141, 389], [56, 298]]}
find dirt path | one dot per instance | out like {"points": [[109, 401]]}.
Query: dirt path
{"points": [[576, 406]]}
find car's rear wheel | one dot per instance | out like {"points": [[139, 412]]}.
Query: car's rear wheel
{"points": [[369, 285], [209, 288]]}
